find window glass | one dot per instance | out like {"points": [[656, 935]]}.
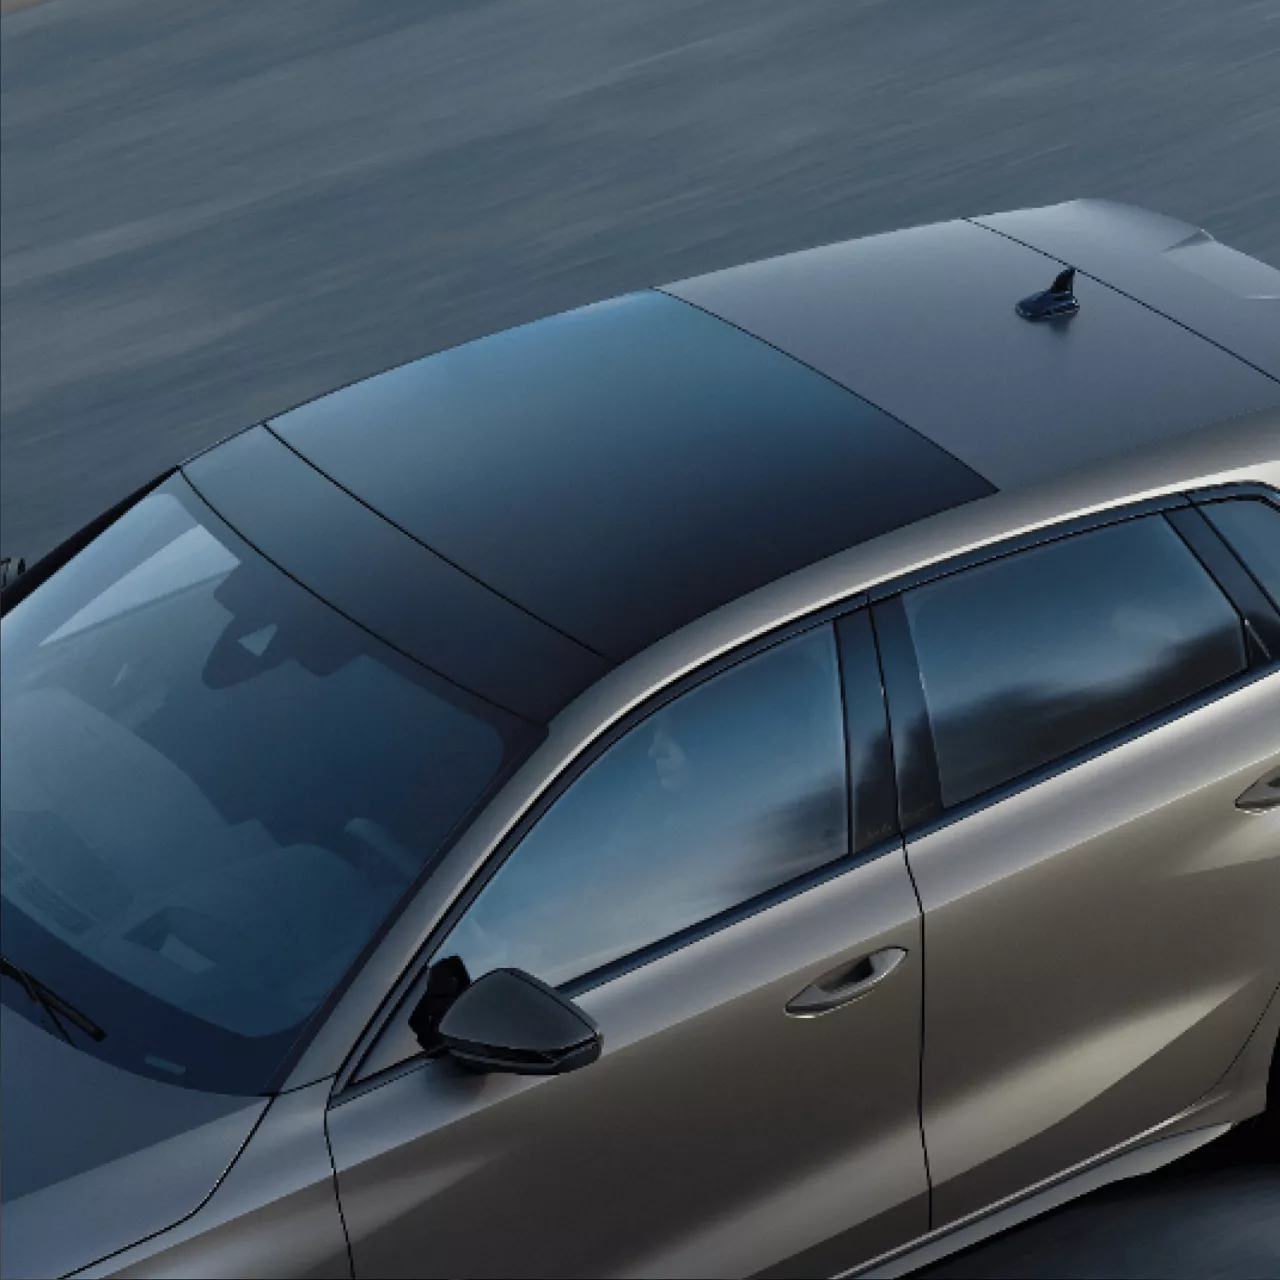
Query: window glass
{"points": [[1030, 657], [728, 791], [1252, 528], [215, 790]]}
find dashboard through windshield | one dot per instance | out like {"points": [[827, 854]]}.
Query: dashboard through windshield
{"points": [[215, 792]]}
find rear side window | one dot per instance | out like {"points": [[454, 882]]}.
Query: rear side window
{"points": [[1030, 657], [728, 791], [1252, 529]]}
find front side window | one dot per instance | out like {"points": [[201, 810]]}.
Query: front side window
{"points": [[1252, 530], [1033, 656], [730, 790], [215, 790]]}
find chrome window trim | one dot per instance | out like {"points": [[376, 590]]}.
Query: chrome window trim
{"points": [[1244, 450]]}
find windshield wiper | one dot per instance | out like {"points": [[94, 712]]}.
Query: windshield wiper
{"points": [[52, 1003]]}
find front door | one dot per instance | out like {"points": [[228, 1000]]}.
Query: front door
{"points": [[692, 883], [1100, 915]]}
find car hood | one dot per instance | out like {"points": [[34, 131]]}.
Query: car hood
{"points": [[95, 1158]]}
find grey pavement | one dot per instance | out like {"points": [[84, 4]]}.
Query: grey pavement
{"points": [[210, 212]]}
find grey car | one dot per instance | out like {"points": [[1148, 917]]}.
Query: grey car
{"points": [[773, 775]]}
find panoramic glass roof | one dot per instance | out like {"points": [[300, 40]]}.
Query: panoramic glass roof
{"points": [[619, 470]]}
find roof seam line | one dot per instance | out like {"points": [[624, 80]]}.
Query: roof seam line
{"points": [[804, 364], [515, 604], [355, 622], [1106, 284]]}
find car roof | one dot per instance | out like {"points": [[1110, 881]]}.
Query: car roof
{"points": [[572, 491], [1170, 266], [622, 469], [922, 323]]}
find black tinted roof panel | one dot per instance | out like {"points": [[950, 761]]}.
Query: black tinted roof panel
{"points": [[386, 582], [620, 470]]}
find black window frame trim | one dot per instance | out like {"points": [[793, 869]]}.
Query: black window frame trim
{"points": [[1233, 578], [1242, 492], [915, 759], [1235, 489]]}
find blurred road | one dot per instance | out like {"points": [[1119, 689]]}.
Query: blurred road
{"points": [[213, 211]]}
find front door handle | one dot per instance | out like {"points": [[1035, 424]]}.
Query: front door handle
{"points": [[1264, 794], [848, 982]]}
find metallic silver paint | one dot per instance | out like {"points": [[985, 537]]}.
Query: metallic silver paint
{"points": [[66, 1112], [715, 1136], [274, 1214], [1100, 947], [117, 1202], [1146, 1156], [114, 1198], [1239, 1095], [1242, 1092]]}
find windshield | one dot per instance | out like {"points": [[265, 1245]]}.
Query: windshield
{"points": [[215, 791]]}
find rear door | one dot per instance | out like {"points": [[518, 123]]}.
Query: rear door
{"points": [[1075, 722], [741, 924]]}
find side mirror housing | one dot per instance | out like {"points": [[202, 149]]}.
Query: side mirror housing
{"points": [[509, 1021], [447, 979]]}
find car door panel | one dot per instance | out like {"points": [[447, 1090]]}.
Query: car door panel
{"points": [[1101, 944], [1074, 723], [273, 1213], [716, 1135]]}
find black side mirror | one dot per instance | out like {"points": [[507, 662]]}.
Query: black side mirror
{"points": [[509, 1021], [447, 979]]}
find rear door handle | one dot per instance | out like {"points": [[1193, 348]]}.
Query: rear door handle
{"points": [[1264, 794], [848, 982]]}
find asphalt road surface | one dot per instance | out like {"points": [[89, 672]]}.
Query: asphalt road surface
{"points": [[211, 212]]}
